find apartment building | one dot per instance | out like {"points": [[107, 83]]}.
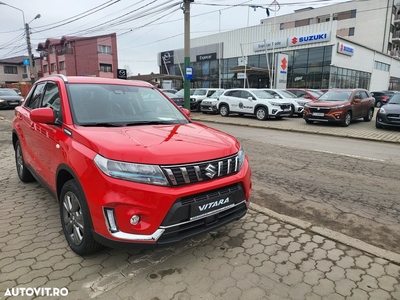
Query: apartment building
{"points": [[80, 56]]}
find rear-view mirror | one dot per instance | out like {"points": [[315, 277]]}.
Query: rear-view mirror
{"points": [[43, 115], [186, 112]]}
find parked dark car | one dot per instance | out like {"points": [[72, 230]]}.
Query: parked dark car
{"points": [[17, 91], [340, 106], [382, 97], [389, 114], [306, 93], [9, 98], [179, 100]]}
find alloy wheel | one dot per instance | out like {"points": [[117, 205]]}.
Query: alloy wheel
{"points": [[73, 218]]}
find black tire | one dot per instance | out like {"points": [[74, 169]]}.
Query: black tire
{"points": [[346, 119], [292, 110], [279, 118], [377, 125], [309, 122], [369, 115], [300, 115], [224, 110], [23, 173], [261, 113], [204, 112], [241, 115], [75, 220], [378, 104]]}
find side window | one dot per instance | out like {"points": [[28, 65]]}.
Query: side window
{"points": [[357, 95], [52, 99], [234, 94], [364, 95], [36, 98], [246, 95], [301, 94], [209, 93], [274, 94]]}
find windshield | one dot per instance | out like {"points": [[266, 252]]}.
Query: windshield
{"points": [[262, 94], [336, 96], [395, 99], [287, 94], [200, 93], [216, 95], [315, 93], [7, 92], [121, 105], [181, 93]]}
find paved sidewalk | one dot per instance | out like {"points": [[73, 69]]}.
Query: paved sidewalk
{"points": [[263, 256], [357, 129]]}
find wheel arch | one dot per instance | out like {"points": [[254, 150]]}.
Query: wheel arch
{"points": [[261, 105]]}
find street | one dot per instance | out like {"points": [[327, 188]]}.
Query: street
{"points": [[328, 181]]}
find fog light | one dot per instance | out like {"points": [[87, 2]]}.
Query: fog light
{"points": [[112, 224], [135, 219], [337, 116], [274, 111]]}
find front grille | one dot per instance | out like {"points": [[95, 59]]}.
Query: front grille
{"points": [[285, 106], [179, 175], [321, 110], [394, 118]]}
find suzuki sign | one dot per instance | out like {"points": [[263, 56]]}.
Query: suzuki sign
{"points": [[298, 40], [281, 70], [345, 49]]}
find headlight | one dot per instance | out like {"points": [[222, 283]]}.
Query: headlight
{"points": [[337, 107], [150, 174], [1, 100], [275, 103], [241, 157], [306, 105], [299, 102], [382, 111]]}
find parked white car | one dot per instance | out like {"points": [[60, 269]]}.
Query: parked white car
{"points": [[297, 104], [210, 104], [252, 102], [199, 95]]}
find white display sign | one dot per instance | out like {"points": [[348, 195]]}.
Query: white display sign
{"points": [[167, 84], [281, 68], [241, 75], [279, 43]]}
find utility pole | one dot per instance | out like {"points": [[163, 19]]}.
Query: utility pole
{"points": [[28, 42], [186, 11]]}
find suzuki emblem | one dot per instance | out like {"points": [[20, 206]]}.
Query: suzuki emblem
{"points": [[211, 171]]}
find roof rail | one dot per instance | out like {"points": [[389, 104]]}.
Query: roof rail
{"points": [[62, 76]]}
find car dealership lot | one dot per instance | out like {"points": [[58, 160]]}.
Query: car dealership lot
{"points": [[257, 258]]}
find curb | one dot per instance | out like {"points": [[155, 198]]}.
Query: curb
{"points": [[333, 235], [299, 131]]}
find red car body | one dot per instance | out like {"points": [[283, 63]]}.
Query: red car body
{"points": [[306, 93], [198, 178]]}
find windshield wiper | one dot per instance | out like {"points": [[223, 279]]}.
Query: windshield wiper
{"points": [[102, 124], [152, 122]]}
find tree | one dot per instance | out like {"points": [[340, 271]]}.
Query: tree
{"points": [[128, 70]]}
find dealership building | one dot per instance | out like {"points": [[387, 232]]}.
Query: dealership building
{"points": [[313, 48]]}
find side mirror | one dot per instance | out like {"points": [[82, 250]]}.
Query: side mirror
{"points": [[307, 96], [43, 115], [186, 112], [249, 98], [277, 97], [357, 100]]}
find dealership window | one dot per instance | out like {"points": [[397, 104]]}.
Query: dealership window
{"points": [[45, 68], [10, 70], [104, 49], [296, 24], [310, 21], [353, 13], [253, 61], [105, 68], [53, 67], [351, 31], [282, 26], [62, 65]]}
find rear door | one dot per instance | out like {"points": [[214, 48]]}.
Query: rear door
{"points": [[233, 99]]}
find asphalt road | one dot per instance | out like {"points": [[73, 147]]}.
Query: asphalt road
{"points": [[350, 186]]}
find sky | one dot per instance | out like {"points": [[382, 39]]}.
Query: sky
{"points": [[144, 27]]}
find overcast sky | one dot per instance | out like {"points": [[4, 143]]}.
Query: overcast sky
{"points": [[143, 27]]}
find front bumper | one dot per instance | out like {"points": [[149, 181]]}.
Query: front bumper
{"points": [[388, 119], [209, 108], [330, 116], [9, 104], [167, 214]]}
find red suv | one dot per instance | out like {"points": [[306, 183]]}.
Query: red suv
{"points": [[122, 171], [306, 93]]}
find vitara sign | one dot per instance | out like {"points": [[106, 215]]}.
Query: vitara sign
{"points": [[345, 49], [298, 40]]}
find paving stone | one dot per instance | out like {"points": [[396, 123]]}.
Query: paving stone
{"points": [[387, 283], [307, 265], [354, 274], [346, 262], [324, 265], [318, 239], [344, 287], [313, 277], [363, 261], [222, 285], [232, 293], [380, 295], [309, 247], [335, 254], [223, 271], [324, 288], [283, 269], [367, 283], [358, 295], [294, 277], [258, 259], [254, 293], [393, 270]]}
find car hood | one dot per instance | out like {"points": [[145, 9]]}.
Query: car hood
{"points": [[323, 103], [392, 108], [158, 144]]}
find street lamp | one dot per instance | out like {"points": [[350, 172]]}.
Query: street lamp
{"points": [[27, 32]]}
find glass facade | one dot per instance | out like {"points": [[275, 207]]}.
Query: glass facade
{"points": [[307, 68]]}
